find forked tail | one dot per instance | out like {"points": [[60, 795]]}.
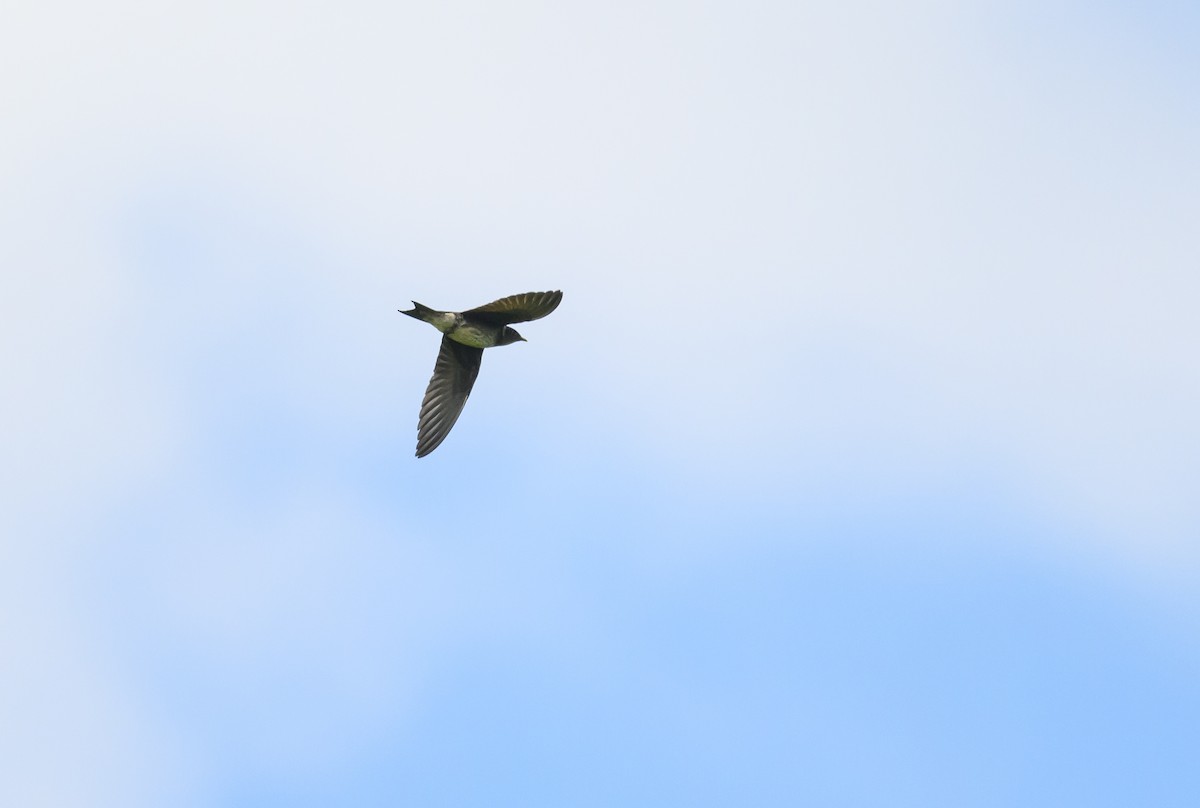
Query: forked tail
{"points": [[421, 312]]}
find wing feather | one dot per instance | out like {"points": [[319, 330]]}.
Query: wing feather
{"points": [[517, 308], [454, 375]]}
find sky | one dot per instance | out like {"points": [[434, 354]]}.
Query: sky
{"points": [[858, 466]]}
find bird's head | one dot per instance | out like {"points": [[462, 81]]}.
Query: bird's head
{"points": [[508, 336]]}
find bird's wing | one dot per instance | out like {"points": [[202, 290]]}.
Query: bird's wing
{"points": [[453, 377], [517, 308]]}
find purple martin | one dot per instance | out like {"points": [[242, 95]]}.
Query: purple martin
{"points": [[464, 336]]}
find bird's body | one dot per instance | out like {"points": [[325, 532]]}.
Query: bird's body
{"points": [[464, 336]]}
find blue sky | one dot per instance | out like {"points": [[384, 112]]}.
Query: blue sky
{"points": [[857, 467]]}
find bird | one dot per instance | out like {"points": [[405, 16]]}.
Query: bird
{"points": [[464, 336]]}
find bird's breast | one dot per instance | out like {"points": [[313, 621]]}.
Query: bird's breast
{"points": [[473, 335]]}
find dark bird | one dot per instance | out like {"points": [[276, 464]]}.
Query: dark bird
{"points": [[464, 336]]}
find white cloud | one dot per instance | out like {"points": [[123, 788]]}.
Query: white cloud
{"points": [[793, 238], [1006, 230]]}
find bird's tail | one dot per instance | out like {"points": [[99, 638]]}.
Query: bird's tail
{"points": [[421, 312]]}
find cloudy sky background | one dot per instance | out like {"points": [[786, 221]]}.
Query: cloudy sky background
{"points": [[858, 466]]}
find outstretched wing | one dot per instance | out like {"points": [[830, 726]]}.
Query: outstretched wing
{"points": [[517, 308], [453, 377]]}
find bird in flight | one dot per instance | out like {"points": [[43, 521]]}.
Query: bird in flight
{"points": [[464, 336]]}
